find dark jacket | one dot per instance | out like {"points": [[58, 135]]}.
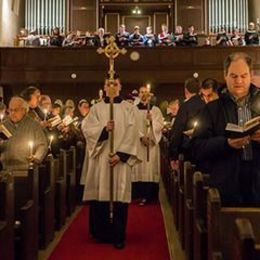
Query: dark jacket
{"points": [[210, 148], [185, 119]]}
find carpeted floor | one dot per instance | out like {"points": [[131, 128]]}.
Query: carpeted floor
{"points": [[146, 239]]}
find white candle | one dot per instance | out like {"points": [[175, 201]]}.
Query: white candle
{"points": [[195, 124], [148, 86], [51, 139], [31, 148], [45, 111], [1, 117], [100, 94]]}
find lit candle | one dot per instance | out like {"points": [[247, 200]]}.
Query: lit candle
{"points": [[51, 139], [1, 117], [45, 111], [100, 94], [195, 124], [148, 86], [31, 148]]}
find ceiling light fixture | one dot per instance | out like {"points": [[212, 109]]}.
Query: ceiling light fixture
{"points": [[136, 10]]}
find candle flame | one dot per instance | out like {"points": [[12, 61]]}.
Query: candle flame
{"points": [[148, 86], [100, 94]]}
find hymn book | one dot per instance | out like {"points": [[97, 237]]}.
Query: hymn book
{"points": [[4, 132], [248, 128]]}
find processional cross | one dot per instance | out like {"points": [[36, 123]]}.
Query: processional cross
{"points": [[111, 51]]}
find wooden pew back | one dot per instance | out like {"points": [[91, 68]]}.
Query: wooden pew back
{"points": [[6, 216], [189, 170], [200, 188], [244, 242], [221, 224], [26, 212]]}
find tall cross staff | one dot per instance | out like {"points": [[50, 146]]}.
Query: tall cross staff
{"points": [[111, 51], [148, 122]]}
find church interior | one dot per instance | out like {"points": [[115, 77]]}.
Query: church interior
{"points": [[64, 65]]}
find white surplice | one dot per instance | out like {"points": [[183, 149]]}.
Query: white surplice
{"points": [[149, 171], [125, 141], [86, 158]]}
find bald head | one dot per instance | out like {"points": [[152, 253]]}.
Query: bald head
{"points": [[17, 108]]}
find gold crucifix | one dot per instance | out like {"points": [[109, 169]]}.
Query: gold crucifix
{"points": [[111, 51]]}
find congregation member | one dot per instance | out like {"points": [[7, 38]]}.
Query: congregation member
{"points": [[83, 107], [185, 121], [231, 161], [32, 96], [150, 124], [96, 129], [172, 110], [251, 35], [209, 90], [27, 143]]}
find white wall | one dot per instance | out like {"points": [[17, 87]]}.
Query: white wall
{"points": [[10, 22]]}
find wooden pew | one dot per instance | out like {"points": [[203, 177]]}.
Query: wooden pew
{"points": [[46, 202], [60, 189], [181, 199], [200, 189], [246, 241], [221, 225], [189, 170], [6, 216], [175, 197], [70, 165], [26, 213]]}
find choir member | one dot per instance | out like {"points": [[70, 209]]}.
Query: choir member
{"points": [[122, 37], [251, 35], [191, 38]]}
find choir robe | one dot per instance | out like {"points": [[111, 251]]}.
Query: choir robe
{"points": [[97, 188], [148, 172]]}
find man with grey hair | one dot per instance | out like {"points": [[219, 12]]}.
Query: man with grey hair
{"points": [[232, 162], [27, 143]]}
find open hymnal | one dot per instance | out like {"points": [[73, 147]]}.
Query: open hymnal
{"points": [[248, 128], [54, 121], [68, 120], [4, 132]]}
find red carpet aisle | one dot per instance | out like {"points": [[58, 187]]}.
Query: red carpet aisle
{"points": [[146, 239]]}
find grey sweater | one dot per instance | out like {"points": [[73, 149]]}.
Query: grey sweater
{"points": [[15, 151]]}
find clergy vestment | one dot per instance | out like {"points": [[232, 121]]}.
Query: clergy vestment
{"points": [[86, 158], [97, 188], [148, 172]]}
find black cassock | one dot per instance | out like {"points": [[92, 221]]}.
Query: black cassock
{"points": [[99, 223]]}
